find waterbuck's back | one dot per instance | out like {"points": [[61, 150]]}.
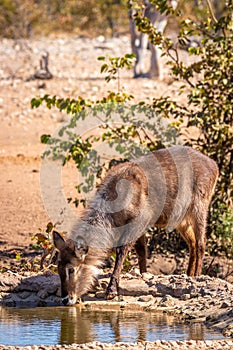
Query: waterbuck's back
{"points": [[179, 179]]}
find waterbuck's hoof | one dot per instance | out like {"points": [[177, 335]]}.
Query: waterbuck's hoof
{"points": [[112, 289], [111, 292], [111, 295]]}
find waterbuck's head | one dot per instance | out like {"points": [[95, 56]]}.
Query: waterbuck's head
{"points": [[73, 271]]}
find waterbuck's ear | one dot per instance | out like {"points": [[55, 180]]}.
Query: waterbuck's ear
{"points": [[81, 248], [58, 240]]}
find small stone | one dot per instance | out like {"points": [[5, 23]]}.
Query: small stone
{"points": [[147, 276], [224, 305], [167, 301], [100, 295], [185, 297], [145, 298]]}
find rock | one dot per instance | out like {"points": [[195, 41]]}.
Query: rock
{"points": [[162, 265], [24, 295], [42, 294], [100, 295], [228, 331], [225, 305], [9, 281], [35, 283], [146, 298], [133, 287], [167, 301], [147, 276], [30, 290]]}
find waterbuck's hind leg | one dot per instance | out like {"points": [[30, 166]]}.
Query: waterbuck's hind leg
{"points": [[187, 232], [201, 244], [113, 286], [193, 230], [200, 231], [141, 250]]}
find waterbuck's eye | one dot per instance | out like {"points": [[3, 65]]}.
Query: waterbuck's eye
{"points": [[70, 270]]}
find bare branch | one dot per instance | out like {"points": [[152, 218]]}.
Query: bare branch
{"points": [[211, 11]]}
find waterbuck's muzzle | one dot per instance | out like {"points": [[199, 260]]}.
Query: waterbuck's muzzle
{"points": [[70, 300], [65, 300]]}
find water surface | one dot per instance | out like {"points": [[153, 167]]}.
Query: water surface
{"points": [[67, 325]]}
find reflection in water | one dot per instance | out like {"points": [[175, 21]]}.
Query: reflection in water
{"points": [[67, 325]]}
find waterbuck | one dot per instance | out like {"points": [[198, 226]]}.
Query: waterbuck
{"points": [[140, 41], [170, 188]]}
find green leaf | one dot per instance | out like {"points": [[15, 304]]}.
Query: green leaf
{"points": [[36, 102], [45, 138], [49, 227], [104, 68]]}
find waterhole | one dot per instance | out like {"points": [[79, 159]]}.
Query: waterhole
{"points": [[67, 325]]}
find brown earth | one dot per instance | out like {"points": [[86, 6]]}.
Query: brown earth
{"points": [[76, 71]]}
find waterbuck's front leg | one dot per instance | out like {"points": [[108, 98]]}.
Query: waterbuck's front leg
{"points": [[113, 286]]}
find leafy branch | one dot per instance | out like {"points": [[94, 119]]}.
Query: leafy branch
{"points": [[113, 66]]}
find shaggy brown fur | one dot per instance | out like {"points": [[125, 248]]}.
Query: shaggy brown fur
{"points": [[170, 188]]}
